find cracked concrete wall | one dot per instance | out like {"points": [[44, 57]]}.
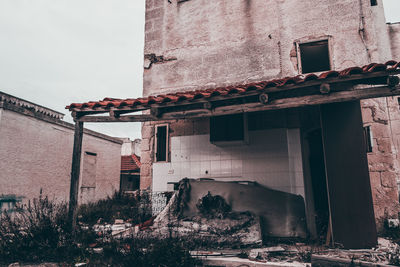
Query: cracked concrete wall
{"points": [[218, 43]]}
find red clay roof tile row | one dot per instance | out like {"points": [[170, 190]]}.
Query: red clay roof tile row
{"points": [[229, 90], [130, 163]]}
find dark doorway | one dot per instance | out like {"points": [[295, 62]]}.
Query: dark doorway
{"points": [[129, 182], [350, 198], [318, 182]]}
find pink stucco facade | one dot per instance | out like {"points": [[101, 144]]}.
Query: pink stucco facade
{"points": [[36, 156]]}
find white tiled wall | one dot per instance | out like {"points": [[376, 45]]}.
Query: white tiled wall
{"points": [[272, 158]]}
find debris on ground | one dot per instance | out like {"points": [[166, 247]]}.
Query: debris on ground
{"points": [[383, 254], [215, 220]]}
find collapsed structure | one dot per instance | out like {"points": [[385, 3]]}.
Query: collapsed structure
{"points": [[282, 93]]}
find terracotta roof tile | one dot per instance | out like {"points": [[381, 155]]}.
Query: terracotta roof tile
{"points": [[146, 102], [130, 163]]}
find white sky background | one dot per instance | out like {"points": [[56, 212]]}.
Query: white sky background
{"points": [[56, 52]]}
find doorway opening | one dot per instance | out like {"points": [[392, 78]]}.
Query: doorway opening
{"points": [[318, 182]]}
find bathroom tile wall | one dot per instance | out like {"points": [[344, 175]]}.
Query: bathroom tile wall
{"points": [[272, 158]]}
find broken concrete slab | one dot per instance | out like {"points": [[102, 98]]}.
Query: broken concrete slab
{"points": [[327, 261], [238, 262], [220, 224], [281, 214]]}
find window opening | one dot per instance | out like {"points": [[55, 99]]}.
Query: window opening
{"points": [[368, 138], [161, 149], [314, 56], [228, 128], [374, 2]]}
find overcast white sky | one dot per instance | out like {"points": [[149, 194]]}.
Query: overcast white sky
{"points": [[55, 52]]}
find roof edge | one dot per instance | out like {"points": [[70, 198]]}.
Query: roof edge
{"points": [[16, 101]]}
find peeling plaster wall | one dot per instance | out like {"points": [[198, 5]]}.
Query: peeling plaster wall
{"points": [[227, 42], [217, 43], [36, 155]]}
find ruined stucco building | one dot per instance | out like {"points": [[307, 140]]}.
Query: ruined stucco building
{"points": [[36, 155], [281, 93], [200, 44]]}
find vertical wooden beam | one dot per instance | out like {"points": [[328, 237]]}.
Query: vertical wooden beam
{"points": [[75, 172], [347, 174]]}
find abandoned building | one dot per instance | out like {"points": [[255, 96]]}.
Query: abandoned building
{"points": [[36, 154], [283, 94]]}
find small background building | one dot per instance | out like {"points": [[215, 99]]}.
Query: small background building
{"points": [[130, 165], [36, 154]]}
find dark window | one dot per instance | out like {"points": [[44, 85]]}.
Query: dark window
{"points": [[315, 56], [368, 138], [161, 143], [374, 2], [227, 128]]}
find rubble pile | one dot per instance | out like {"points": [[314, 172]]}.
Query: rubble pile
{"points": [[385, 253], [215, 220]]}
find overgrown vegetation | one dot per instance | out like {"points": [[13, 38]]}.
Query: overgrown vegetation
{"points": [[132, 208], [144, 252], [39, 232], [36, 232]]}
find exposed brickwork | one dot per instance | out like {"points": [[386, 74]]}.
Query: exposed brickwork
{"points": [[381, 115], [147, 155]]}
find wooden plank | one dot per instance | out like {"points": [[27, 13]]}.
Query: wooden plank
{"points": [[346, 166], [126, 118], [293, 102], [99, 110], [75, 172]]}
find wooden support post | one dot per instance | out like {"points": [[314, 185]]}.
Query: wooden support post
{"points": [[75, 171], [263, 98], [325, 88]]}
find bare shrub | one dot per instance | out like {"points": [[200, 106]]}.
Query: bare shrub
{"points": [[35, 232]]}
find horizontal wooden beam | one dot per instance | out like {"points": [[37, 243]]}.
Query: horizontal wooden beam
{"points": [[294, 102], [334, 80], [356, 93], [126, 118]]}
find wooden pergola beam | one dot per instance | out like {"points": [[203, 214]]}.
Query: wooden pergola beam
{"points": [[369, 78], [354, 93], [126, 118]]}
